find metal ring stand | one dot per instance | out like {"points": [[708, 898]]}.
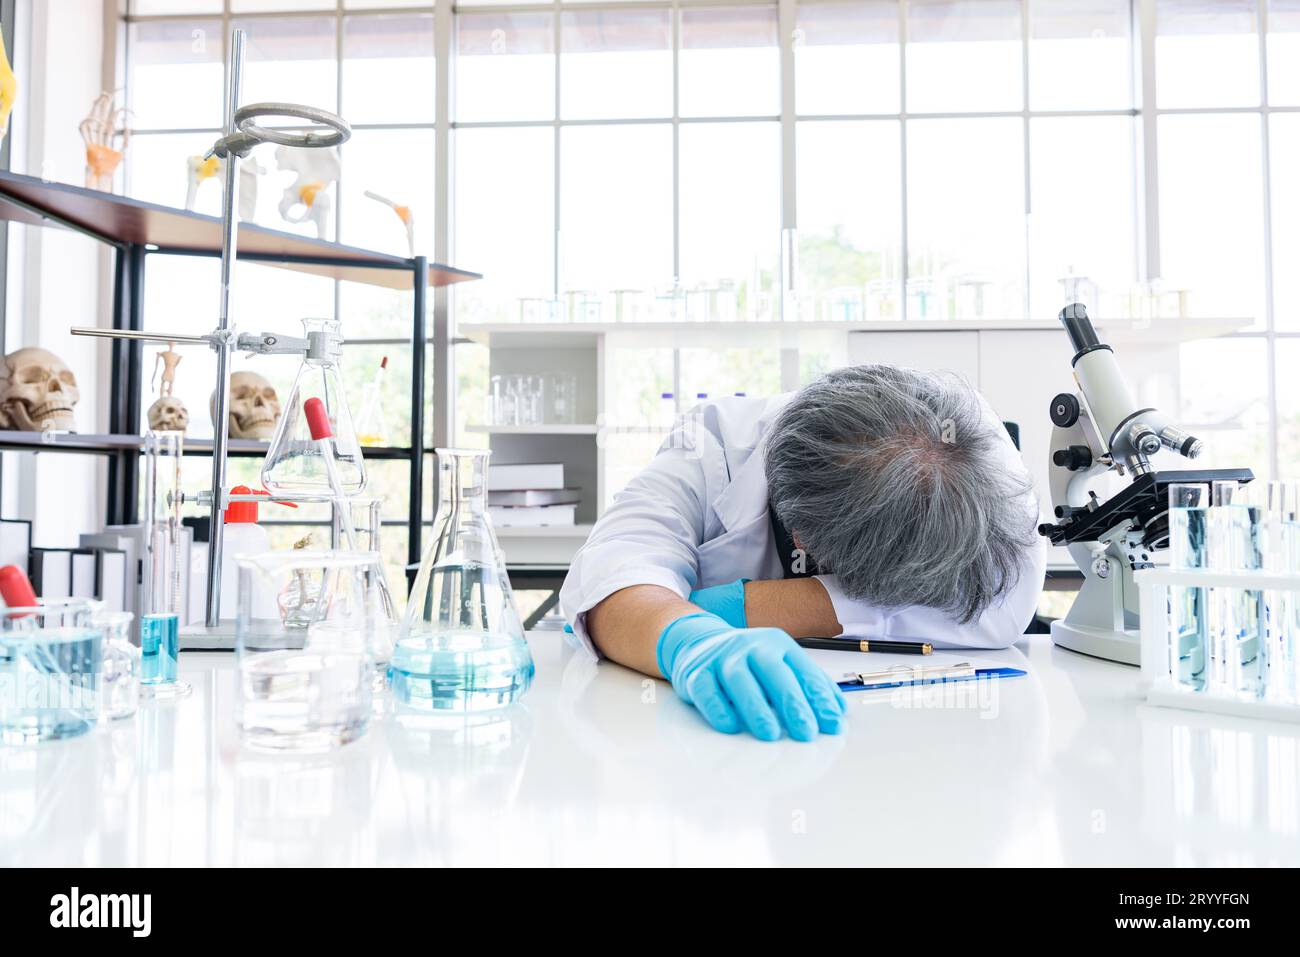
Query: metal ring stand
{"points": [[336, 132], [241, 134]]}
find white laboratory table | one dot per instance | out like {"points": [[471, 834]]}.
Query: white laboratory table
{"points": [[602, 766]]}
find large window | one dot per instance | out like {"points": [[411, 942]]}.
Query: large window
{"points": [[787, 160], [1228, 184]]}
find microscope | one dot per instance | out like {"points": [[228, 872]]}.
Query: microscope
{"points": [[1100, 434]]}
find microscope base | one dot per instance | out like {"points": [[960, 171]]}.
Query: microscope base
{"points": [[1121, 646]]}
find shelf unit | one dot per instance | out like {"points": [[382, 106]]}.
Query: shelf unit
{"points": [[136, 230]]}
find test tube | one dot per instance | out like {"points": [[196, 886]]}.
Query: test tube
{"points": [[1290, 564], [1188, 613], [1277, 528], [161, 601], [1236, 613]]}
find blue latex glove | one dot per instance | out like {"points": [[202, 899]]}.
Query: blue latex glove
{"points": [[755, 679], [725, 601]]}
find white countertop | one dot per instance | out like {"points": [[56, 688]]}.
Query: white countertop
{"points": [[602, 766]]}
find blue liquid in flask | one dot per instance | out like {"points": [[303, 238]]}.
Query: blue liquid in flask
{"points": [[460, 672], [159, 645]]}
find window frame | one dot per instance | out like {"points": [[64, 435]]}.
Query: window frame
{"points": [[1146, 224]]}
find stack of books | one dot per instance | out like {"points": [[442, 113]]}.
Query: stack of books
{"points": [[530, 496]]}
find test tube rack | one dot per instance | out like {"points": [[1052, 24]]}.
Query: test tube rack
{"points": [[1157, 682]]}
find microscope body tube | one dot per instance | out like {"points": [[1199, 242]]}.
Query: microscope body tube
{"points": [[1107, 393], [1129, 433]]}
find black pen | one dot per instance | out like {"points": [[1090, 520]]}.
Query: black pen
{"points": [[878, 645]]}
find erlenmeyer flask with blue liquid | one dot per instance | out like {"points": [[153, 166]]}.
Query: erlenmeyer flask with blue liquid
{"points": [[461, 646]]}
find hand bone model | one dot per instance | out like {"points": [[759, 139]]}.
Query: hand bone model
{"points": [[105, 141]]}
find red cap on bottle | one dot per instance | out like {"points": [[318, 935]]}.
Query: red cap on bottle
{"points": [[317, 420], [16, 588], [238, 513]]}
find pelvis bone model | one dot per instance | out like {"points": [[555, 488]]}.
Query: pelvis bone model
{"points": [[307, 197], [201, 170], [37, 392]]}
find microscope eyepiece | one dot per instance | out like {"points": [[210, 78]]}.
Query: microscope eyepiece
{"points": [[1079, 327]]}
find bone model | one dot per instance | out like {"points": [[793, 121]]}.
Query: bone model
{"points": [[200, 170], [314, 170], [8, 89], [404, 214], [100, 131]]}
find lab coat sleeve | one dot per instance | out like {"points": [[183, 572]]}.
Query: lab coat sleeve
{"points": [[649, 536], [1001, 624]]}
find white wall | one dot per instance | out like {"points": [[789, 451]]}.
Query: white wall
{"points": [[57, 276]]}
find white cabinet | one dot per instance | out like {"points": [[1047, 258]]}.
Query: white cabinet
{"points": [[956, 351]]}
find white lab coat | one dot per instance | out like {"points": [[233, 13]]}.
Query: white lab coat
{"points": [[698, 516]]}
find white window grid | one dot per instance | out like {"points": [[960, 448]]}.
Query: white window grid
{"points": [[1143, 39]]}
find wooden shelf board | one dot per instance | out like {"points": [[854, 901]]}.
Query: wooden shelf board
{"points": [[118, 219]]}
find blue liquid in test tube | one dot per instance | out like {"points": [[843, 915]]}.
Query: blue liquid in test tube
{"points": [[159, 647]]}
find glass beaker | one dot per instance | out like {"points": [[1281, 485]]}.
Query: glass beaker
{"points": [[303, 633], [461, 646], [120, 680], [367, 522], [163, 569], [1189, 615], [295, 462], [51, 659]]}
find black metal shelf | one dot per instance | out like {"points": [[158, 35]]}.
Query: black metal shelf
{"points": [[137, 230], [103, 444]]}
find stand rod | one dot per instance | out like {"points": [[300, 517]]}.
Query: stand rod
{"points": [[225, 343]]}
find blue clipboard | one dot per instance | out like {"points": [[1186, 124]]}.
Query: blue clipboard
{"points": [[980, 674]]}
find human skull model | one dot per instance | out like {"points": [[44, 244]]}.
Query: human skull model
{"points": [[254, 406], [168, 414], [37, 392]]}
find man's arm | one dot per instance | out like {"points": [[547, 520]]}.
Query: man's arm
{"points": [[626, 626], [798, 606]]}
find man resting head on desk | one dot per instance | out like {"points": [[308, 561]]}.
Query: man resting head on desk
{"points": [[875, 503]]}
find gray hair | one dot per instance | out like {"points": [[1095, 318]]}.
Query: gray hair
{"points": [[896, 482]]}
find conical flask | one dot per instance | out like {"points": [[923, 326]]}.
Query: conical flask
{"points": [[461, 646], [295, 463], [372, 426]]}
